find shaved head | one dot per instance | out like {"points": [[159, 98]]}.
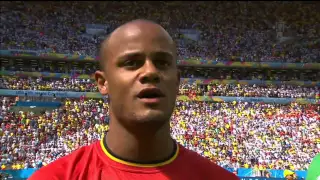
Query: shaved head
{"points": [[130, 29]]}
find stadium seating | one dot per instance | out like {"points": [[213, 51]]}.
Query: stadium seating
{"points": [[237, 90], [224, 113], [245, 30], [248, 134]]}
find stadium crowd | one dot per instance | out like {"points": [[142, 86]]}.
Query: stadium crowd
{"points": [[65, 84], [237, 134], [193, 89], [239, 90], [189, 72], [241, 30]]}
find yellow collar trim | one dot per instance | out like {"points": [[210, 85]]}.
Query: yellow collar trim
{"points": [[136, 164]]}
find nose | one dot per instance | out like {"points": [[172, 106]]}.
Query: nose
{"points": [[150, 73]]}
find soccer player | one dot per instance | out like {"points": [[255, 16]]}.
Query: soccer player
{"points": [[139, 74]]}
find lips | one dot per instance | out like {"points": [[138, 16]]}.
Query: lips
{"points": [[151, 95]]}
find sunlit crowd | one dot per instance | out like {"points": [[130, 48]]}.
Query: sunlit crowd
{"points": [[189, 89], [243, 31], [232, 134], [237, 134]]}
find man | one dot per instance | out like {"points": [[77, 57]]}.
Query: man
{"points": [[139, 74]]}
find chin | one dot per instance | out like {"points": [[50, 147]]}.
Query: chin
{"points": [[151, 115], [151, 119]]}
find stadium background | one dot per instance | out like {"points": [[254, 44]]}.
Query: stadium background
{"points": [[275, 79]]}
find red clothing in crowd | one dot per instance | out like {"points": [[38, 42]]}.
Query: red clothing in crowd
{"points": [[94, 162]]}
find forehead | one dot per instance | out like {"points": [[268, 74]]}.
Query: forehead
{"points": [[144, 40]]}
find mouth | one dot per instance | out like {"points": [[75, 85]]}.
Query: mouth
{"points": [[151, 95]]}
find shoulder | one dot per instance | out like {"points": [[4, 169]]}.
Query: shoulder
{"points": [[206, 167], [65, 166], [53, 170]]}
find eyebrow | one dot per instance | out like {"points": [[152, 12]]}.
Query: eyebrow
{"points": [[138, 53], [129, 54]]}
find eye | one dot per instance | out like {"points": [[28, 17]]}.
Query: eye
{"points": [[162, 63], [131, 63], [162, 59]]}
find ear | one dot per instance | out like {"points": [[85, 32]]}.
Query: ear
{"points": [[102, 82]]}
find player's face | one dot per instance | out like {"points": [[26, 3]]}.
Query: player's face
{"points": [[142, 79]]}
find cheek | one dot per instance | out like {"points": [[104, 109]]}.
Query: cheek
{"points": [[120, 88]]}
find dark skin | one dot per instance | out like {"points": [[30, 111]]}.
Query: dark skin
{"points": [[139, 55]]}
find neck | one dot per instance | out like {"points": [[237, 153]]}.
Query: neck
{"points": [[140, 148]]}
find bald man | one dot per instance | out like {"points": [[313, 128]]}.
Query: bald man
{"points": [[139, 74]]}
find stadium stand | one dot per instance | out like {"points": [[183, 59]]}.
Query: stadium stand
{"points": [[238, 90], [249, 97], [61, 27]]}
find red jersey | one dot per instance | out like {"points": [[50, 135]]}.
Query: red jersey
{"points": [[94, 162]]}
